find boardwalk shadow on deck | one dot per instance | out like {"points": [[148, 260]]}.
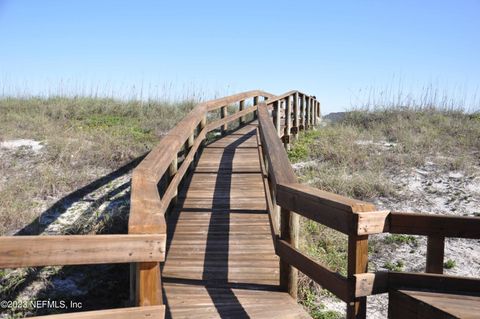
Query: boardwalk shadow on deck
{"points": [[221, 206], [215, 272]]}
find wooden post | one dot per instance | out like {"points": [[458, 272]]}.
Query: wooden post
{"points": [[276, 116], [311, 106], [288, 122], [435, 254], [289, 224], [314, 112], [295, 116], [173, 168], [319, 113], [223, 114], [357, 263], [307, 113], [149, 287], [255, 102], [302, 112], [241, 108], [133, 284], [203, 123]]}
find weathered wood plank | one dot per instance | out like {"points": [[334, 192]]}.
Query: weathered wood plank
{"points": [[435, 252], [328, 279], [122, 313], [30, 251], [357, 263], [230, 118], [428, 224], [218, 103], [326, 208], [426, 305]]}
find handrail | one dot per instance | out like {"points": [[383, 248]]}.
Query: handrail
{"points": [[218, 103], [32, 251], [355, 218], [148, 206]]}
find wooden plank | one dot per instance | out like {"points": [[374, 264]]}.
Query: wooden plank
{"points": [[31, 251], [121, 313], [328, 279], [149, 284], [435, 252], [156, 163], [302, 112], [357, 263], [402, 306], [368, 284], [380, 282], [218, 103], [241, 107], [280, 169], [230, 118], [146, 212], [440, 283], [224, 115], [423, 304], [289, 227], [428, 224], [280, 97], [375, 222], [296, 115], [171, 191], [288, 121], [326, 208], [276, 117]]}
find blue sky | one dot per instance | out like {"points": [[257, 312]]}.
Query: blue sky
{"points": [[336, 50]]}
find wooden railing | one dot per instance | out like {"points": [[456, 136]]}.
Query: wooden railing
{"points": [[32, 251], [287, 199], [155, 184], [156, 179]]}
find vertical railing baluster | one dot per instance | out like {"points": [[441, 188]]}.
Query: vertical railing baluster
{"points": [[307, 113], [223, 114], [435, 254], [241, 107], [302, 112], [357, 264], [276, 116], [295, 116], [289, 225], [288, 122], [255, 102], [173, 168]]}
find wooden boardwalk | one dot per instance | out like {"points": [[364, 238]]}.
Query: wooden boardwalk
{"points": [[220, 258], [214, 227]]}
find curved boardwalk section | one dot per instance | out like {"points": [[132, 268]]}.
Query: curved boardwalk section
{"points": [[221, 261]]}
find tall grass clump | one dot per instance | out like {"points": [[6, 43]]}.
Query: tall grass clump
{"points": [[83, 138], [357, 154]]}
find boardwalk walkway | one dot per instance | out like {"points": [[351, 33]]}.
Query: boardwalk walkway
{"points": [[213, 228], [220, 258]]}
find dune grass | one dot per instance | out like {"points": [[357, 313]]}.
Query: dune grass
{"points": [[83, 138], [356, 155]]}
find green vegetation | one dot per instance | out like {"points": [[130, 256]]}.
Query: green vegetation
{"points": [[352, 155], [401, 239], [308, 298], [396, 266], [449, 264], [356, 155], [303, 145], [327, 246], [83, 138]]}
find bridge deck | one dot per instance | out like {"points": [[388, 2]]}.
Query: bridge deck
{"points": [[220, 258]]}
